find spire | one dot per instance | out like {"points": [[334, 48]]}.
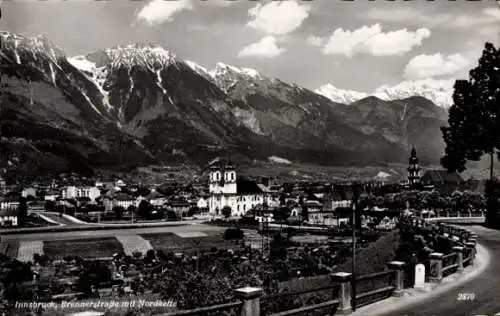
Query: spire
{"points": [[413, 168]]}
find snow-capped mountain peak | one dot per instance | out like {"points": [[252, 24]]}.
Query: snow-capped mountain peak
{"points": [[222, 69], [36, 45], [438, 91], [152, 56], [339, 95]]}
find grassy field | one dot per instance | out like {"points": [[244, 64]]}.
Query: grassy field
{"points": [[171, 242], [86, 248]]}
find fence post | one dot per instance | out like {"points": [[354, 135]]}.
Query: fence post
{"points": [[344, 294], [459, 250], [436, 267], [251, 300], [398, 267], [471, 247]]}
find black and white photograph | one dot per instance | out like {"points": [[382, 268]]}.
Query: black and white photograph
{"points": [[249, 157]]}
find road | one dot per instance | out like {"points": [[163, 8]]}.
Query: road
{"points": [[44, 236], [485, 288]]}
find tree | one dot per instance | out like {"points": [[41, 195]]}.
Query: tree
{"points": [[23, 211], [474, 120], [304, 213], [226, 211], [474, 117], [282, 198], [145, 209], [281, 214], [49, 206], [132, 209], [118, 210]]}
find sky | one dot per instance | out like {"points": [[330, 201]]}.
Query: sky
{"points": [[354, 45]]}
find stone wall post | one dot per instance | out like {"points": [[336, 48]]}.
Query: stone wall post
{"points": [[251, 300], [472, 250], [398, 267], [344, 294], [436, 267], [459, 250]]}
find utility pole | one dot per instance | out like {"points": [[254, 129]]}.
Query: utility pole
{"points": [[353, 282]]}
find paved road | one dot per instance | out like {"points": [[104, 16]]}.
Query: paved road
{"points": [[109, 232], [486, 288]]}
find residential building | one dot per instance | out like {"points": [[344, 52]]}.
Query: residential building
{"points": [[155, 198], [9, 217], [51, 196], [202, 204], [10, 202], [28, 192], [179, 205], [225, 189], [73, 192], [9, 211], [119, 199]]}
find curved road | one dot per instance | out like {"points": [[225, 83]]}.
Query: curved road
{"points": [[485, 287]]}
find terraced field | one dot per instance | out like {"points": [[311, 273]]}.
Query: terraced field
{"points": [[86, 248]]}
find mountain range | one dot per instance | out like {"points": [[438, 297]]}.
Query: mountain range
{"points": [[141, 104]]}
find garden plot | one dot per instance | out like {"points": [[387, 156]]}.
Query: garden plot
{"points": [[134, 243], [174, 242], [85, 248], [27, 249]]}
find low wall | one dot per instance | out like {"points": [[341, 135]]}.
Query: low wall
{"points": [[457, 220]]}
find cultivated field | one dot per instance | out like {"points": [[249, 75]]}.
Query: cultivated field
{"points": [[134, 243], [27, 249], [86, 248], [188, 242]]}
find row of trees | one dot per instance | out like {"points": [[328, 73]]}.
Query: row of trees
{"points": [[425, 200]]}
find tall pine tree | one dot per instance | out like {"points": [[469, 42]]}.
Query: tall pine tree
{"points": [[474, 121]]}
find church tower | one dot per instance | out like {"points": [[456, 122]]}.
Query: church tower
{"points": [[223, 179], [413, 169]]}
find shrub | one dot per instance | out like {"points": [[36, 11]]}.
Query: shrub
{"points": [[233, 234]]}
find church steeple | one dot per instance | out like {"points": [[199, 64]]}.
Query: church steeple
{"points": [[413, 168]]}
